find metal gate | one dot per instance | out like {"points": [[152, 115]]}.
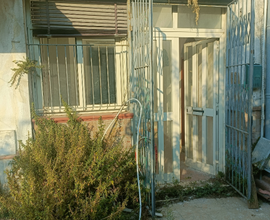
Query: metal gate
{"points": [[141, 87], [239, 81]]}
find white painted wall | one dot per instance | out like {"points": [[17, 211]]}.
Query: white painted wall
{"points": [[258, 42], [14, 104]]}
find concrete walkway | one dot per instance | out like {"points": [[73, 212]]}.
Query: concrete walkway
{"points": [[232, 208]]}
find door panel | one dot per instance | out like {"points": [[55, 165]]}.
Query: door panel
{"points": [[166, 108], [201, 67]]}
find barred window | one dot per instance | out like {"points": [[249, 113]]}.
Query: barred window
{"points": [[88, 74]]}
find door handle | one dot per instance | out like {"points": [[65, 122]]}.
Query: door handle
{"points": [[197, 110]]}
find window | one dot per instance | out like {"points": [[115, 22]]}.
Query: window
{"points": [[88, 74]]}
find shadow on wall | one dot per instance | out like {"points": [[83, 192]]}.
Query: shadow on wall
{"points": [[12, 32]]}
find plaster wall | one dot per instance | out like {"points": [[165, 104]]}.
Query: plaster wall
{"points": [[258, 43], [14, 104], [258, 49]]}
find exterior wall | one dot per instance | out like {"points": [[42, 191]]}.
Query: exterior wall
{"points": [[258, 42], [15, 122], [258, 45], [123, 124]]}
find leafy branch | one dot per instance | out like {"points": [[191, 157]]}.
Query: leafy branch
{"points": [[23, 67], [196, 9]]}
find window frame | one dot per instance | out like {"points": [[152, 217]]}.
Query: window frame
{"points": [[121, 76]]}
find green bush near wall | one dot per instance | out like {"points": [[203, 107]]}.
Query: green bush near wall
{"points": [[63, 173]]}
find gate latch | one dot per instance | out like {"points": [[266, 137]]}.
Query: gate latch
{"points": [[198, 111]]}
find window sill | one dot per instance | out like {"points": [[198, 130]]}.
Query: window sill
{"points": [[8, 157], [94, 117]]}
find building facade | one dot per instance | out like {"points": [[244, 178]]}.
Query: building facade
{"points": [[97, 56]]}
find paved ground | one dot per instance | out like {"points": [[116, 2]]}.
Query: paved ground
{"points": [[232, 208]]}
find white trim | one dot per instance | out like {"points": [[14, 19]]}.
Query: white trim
{"points": [[221, 99], [175, 108], [81, 75], [120, 87], [208, 112], [204, 94], [173, 116]]}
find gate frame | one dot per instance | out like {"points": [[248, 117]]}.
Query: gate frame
{"points": [[234, 43]]}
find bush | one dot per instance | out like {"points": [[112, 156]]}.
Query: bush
{"points": [[63, 173]]}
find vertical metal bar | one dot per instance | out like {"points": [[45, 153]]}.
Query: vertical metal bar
{"points": [[250, 95], [120, 72], [115, 70], [66, 68], [239, 56], [227, 98], [108, 78], [129, 70], [41, 76], [244, 93], [50, 81], [232, 96], [58, 77], [32, 82], [100, 84], [236, 89], [126, 73], [92, 75], [152, 108], [83, 81], [75, 74]]}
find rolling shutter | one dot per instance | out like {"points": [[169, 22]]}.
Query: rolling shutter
{"points": [[201, 2], [78, 17]]}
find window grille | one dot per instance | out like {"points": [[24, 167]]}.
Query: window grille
{"points": [[89, 75]]}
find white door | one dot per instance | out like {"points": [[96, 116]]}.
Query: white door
{"points": [[201, 104], [166, 108]]}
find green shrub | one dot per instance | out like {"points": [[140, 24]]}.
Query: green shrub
{"points": [[63, 173]]}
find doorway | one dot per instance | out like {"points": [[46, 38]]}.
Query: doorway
{"points": [[201, 65], [186, 105]]}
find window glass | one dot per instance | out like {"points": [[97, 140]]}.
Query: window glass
{"points": [[59, 71], [99, 70], [210, 17], [162, 16], [62, 76]]}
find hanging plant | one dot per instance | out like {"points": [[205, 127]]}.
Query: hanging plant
{"points": [[196, 9], [23, 67]]}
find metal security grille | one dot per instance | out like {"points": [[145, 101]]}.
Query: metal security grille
{"points": [[142, 84], [89, 76], [78, 17], [239, 71]]}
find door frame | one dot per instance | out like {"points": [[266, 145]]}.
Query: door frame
{"points": [[220, 34], [203, 111], [160, 117]]}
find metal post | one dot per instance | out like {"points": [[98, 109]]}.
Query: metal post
{"points": [[152, 109], [267, 95], [250, 95], [263, 67]]}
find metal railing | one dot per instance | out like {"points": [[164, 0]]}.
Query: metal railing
{"points": [[240, 47], [141, 87], [89, 77]]}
